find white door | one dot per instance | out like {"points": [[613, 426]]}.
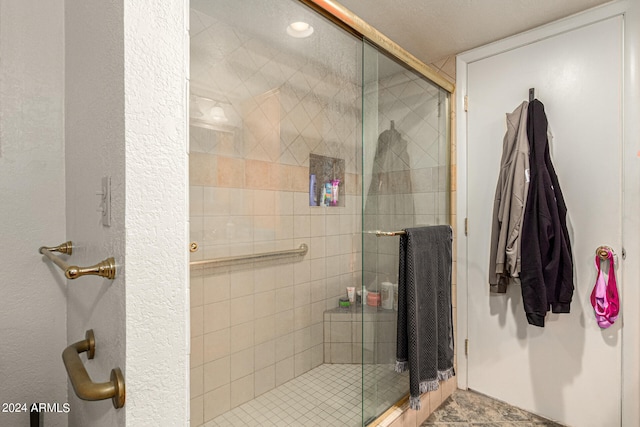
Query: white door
{"points": [[570, 370]]}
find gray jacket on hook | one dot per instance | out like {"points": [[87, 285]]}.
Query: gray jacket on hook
{"points": [[509, 202]]}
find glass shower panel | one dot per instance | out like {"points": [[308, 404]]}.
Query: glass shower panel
{"points": [[269, 108], [406, 169]]}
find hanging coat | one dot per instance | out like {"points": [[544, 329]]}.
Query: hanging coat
{"points": [[509, 202], [547, 265]]}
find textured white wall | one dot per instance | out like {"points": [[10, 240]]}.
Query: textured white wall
{"points": [[32, 302], [156, 58], [126, 118]]}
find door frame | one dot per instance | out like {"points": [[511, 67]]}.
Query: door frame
{"points": [[630, 268]]}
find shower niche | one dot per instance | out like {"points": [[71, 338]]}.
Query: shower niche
{"points": [[326, 181]]}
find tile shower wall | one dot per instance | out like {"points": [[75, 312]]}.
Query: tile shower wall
{"points": [[410, 180], [255, 327]]}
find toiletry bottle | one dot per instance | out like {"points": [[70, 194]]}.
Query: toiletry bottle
{"points": [[313, 197], [323, 196], [386, 294], [334, 192], [328, 188]]}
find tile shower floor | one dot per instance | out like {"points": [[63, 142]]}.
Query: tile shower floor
{"points": [[329, 395], [467, 409]]}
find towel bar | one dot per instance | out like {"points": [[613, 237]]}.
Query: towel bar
{"points": [[106, 268], [83, 386], [390, 233]]}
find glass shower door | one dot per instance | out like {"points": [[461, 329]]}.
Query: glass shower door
{"points": [[405, 183]]}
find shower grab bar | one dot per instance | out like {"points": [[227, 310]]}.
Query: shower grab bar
{"points": [[83, 386], [241, 259], [106, 268]]}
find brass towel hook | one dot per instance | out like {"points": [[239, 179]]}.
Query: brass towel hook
{"points": [[106, 268], [83, 386]]}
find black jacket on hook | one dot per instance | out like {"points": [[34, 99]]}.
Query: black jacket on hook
{"points": [[547, 264]]}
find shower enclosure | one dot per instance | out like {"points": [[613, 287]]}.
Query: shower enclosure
{"points": [[301, 136]]}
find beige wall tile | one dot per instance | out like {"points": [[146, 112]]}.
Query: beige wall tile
{"points": [[284, 371], [435, 399], [341, 353], [317, 311], [264, 202], [265, 329], [300, 179], [407, 419], [318, 291], [217, 344], [301, 226], [317, 355], [197, 321], [341, 332], [302, 295], [284, 299], [302, 340], [317, 334], [217, 373], [425, 408], [196, 291], [202, 169], [216, 288], [197, 411], [196, 357], [230, 172], [265, 380], [242, 390], [241, 337], [241, 284], [265, 304], [217, 402], [302, 362], [318, 269], [284, 322], [265, 279], [216, 316], [243, 309], [216, 201], [197, 381], [302, 317], [284, 347], [264, 355], [242, 364], [257, 174]]}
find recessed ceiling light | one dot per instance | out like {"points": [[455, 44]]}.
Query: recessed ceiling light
{"points": [[299, 30]]}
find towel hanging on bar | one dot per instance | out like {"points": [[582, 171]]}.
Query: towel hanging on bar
{"points": [[425, 320]]}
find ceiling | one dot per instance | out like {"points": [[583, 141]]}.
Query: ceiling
{"points": [[432, 30]]}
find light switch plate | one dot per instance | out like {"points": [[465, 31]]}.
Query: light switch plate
{"points": [[106, 201]]}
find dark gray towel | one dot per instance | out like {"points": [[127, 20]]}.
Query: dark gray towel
{"points": [[425, 319]]}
